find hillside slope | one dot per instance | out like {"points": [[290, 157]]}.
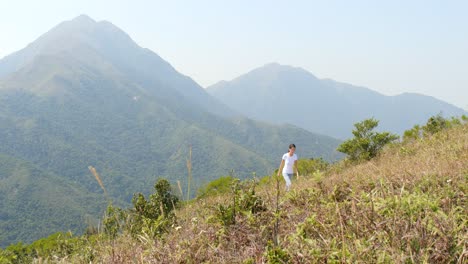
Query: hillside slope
{"points": [[408, 205]]}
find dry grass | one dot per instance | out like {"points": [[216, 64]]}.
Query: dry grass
{"points": [[406, 206], [98, 179], [442, 155]]}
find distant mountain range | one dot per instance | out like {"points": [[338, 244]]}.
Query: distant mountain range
{"points": [[284, 94], [86, 94]]}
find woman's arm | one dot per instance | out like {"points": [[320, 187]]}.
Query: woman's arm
{"points": [[280, 167]]}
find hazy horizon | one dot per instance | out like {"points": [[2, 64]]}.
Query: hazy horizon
{"points": [[392, 48]]}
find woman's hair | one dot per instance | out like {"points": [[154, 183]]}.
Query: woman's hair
{"points": [[292, 146]]}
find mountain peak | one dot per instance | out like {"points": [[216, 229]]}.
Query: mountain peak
{"points": [[73, 37], [272, 65], [277, 66], [84, 19], [275, 69], [77, 24]]}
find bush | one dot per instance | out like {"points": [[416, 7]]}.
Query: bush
{"points": [[113, 221], [152, 215], [433, 125], [276, 255], [366, 143], [57, 245], [311, 166], [215, 187], [244, 200]]}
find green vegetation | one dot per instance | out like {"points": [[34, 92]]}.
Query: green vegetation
{"points": [[35, 203], [59, 246], [153, 216], [216, 187], [406, 205], [434, 125], [311, 166], [366, 143], [244, 202]]}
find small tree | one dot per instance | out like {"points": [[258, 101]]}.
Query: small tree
{"points": [[436, 124], [221, 185], [310, 166], [161, 202], [366, 143], [152, 216]]}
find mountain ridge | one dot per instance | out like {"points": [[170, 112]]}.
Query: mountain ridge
{"points": [[284, 94]]}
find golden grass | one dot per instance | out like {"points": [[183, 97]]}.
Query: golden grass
{"points": [[442, 155], [98, 179], [314, 227]]}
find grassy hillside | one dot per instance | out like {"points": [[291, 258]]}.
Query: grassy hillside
{"points": [[408, 205]]}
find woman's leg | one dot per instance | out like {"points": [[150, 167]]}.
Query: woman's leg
{"points": [[287, 178]]}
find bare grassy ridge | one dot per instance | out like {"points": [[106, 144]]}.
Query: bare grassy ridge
{"points": [[408, 205]]}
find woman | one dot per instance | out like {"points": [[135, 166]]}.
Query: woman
{"points": [[289, 165]]}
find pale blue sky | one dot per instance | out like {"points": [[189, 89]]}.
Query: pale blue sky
{"points": [[388, 46]]}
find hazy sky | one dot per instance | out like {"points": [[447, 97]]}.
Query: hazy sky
{"points": [[389, 46]]}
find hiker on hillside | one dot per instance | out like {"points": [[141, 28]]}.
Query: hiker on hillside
{"points": [[289, 165]]}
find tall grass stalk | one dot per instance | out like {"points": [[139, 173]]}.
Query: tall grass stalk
{"points": [[276, 227], [98, 179], [189, 168], [180, 190]]}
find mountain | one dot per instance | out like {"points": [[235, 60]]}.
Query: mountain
{"points": [[285, 94], [85, 94], [111, 51]]}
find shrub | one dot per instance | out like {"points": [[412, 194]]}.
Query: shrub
{"points": [[311, 166], [244, 199], [366, 143], [276, 255], [433, 125], [218, 186], [152, 215]]}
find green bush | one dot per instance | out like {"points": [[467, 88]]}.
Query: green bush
{"points": [[113, 221], [244, 199], [215, 187], [413, 134], [276, 255], [56, 245], [433, 125], [151, 216], [311, 166], [366, 143]]}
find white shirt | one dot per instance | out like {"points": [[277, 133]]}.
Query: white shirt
{"points": [[289, 163]]}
